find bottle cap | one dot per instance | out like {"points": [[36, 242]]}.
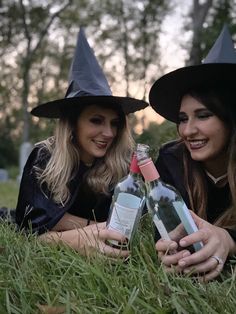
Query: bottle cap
{"points": [[148, 170]]}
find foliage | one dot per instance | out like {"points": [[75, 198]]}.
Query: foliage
{"points": [[206, 20], [156, 135], [38, 278], [37, 44]]}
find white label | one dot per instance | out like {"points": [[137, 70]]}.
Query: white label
{"points": [[187, 220], [123, 217], [161, 228], [185, 217]]}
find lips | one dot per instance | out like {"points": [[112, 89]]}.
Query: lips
{"points": [[101, 144], [196, 144]]}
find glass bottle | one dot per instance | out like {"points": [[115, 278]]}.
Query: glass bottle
{"points": [[167, 207], [127, 204]]}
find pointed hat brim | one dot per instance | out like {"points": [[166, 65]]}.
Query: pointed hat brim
{"points": [[166, 93], [54, 109]]}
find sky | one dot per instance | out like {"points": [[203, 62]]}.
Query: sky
{"points": [[172, 55]]}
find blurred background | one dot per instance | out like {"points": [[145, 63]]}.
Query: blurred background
{"points": [[135, 42]]}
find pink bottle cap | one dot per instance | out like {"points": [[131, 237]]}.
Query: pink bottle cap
{"points": [[148, 170]]}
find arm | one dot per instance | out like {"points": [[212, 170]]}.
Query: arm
{"points": [[88, 240], [68, 222]]}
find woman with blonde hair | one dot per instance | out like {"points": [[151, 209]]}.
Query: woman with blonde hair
{"points": [[67, 183], [200, 99]]}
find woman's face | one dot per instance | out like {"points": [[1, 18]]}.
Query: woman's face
{"points": [[96, 129], [205, 135]]}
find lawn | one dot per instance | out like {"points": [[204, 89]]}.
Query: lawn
{"points": [[9, 193], [39, 278]]}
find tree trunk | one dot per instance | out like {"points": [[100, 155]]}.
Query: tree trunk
{"points": [[199, 14]]}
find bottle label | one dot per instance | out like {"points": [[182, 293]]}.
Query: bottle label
{"points": [[124, 214], [187, 220], [161, 228]]}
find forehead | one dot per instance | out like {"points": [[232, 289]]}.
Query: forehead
{"points": [[190, 103], [94, 110]]}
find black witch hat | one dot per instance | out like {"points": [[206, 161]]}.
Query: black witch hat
{"points": [[217, 69], [87, 85]]}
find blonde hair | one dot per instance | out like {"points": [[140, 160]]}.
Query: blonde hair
{"points": [[64, 160], [197, 191]]}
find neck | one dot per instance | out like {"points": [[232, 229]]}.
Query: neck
{"points": [[217, 167]]}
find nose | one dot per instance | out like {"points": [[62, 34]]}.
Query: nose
{"points": [[108, 131], [189, 129]]}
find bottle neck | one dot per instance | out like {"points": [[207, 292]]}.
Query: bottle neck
{"points": [[149, 170], [134, 167]]}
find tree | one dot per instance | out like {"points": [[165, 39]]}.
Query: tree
{"points": [[37, 45], [157, 134], [206, 21]]}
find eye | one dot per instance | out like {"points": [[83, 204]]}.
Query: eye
{"points": [[204, 114], [182, 118], [96, 120]]}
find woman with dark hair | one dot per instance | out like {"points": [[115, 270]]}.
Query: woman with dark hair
{"points": [[201, 164], [67, 183]]}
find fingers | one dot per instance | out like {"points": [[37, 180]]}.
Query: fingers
{"points": [[168, 254], [97, 241], [173, 259], [210, 265], [212, 274], [206, 271]]}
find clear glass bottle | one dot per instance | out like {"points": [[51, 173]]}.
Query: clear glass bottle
{"points": [[127, 204], [167, 207]]}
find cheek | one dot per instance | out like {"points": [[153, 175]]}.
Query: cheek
{"points": [[180, 130]]}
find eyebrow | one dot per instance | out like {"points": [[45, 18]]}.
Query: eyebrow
{"points": [[196, 110], [97, 115]]}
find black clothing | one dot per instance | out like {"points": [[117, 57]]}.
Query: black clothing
{"points": [[37, 211], [171, 169]]}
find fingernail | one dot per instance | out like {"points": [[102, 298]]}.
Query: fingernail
{"points": [[186, 253], [182, 242], [182, 263], [172, 245]]}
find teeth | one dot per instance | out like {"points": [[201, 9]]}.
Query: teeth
{"points": [[101, 142], [197, 143]]}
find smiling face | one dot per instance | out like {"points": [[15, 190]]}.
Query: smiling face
{"points": [[204, 134], [95, 130]]}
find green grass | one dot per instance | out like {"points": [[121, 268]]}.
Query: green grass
{"points": [[9, 193], [33, 274]]}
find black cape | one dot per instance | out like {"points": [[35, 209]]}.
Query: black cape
{"points": [[36, 211]]}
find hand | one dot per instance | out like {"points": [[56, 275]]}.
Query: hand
{"points": [[88, 240], [169, 256], [208, 262], [95, 239]]}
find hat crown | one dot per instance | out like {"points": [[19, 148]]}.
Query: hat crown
{"points": [[223, 49], [86, 77]]}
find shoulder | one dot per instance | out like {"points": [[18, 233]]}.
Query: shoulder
{"points": [[174, 148], [39, 156]]}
